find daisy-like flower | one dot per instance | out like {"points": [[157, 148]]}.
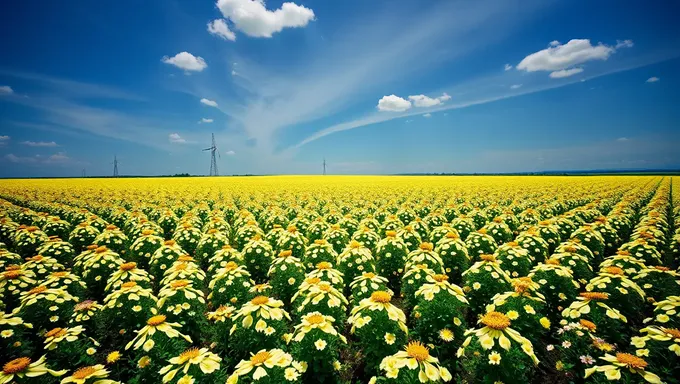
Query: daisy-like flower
{"points": [[23, 367], [263, 360], [587, 360], [494, 358], [415, 356], [262, 307], [56, 335], [438, 283], [320, 344], [446, 335], [584, 302], [379, 301], [113, 357], [84, 310], [82, 375], [155, 324], [497, 326], [671, 335], [207, 361], [315, 320], [179, 287], [625, 362]]}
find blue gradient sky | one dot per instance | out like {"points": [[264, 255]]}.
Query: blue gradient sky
{"points": [[506, 86]]}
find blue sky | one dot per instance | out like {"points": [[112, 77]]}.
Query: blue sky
{"points": [[373, 86]]}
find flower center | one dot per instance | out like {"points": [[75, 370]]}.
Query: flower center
{"points": [[12, 274], [60, 274], [675, 333], [260, 358], [101, 249], [128, 284], [91, 247], [417, 351], [189, 354], [588, 324], [496, 320], [491, 258], [260, 300], [614, 270], [623, 253], [111, 227], [16, 365], [324, 265], [169, 243], [147, 232], [426, 246], [315, 318], [660, 268], [285, 253], [156, 320], [594, 295], [631, 361], [85, 305], [381, 297], [181, 266], [320, 242], [482, 231], [354, 244], [84, 373], [439, 278], [391, 233], [185, 258], [36, 258], [452, 235], [552, 262], [325, 286], [128, 266], [292, 229], [179, 283], [230, 266], [497, 220], [56, 332], [37, 290], [212, 231]]}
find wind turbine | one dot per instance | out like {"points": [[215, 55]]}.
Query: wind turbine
{"points": [[213, 159]]}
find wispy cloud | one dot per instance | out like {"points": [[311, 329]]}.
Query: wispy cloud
{"points": [[6, 90], [652, 79], [59, 158], [39, 143]]}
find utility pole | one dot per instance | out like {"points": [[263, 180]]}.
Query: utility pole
{"points": [[213, 159], [115, 166], [324, 166]]}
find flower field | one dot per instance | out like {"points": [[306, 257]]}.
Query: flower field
{"points": [[340, 280]]}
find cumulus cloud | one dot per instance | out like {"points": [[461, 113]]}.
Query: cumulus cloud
{"points": [[209, 103], [231, 153], [393, 103], [6, 90], [427, 115], [515, 86], [176, 138], [508, 67], [565, 73], [186, 61], [40, 143], [558, 57], [422, 101], [220, 28], [204, 120], [254, 19], [624, 44], [652, 79]]}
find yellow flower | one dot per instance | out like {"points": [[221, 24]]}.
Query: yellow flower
{"points": [[320, 344], [186, 379], [113, 357], [559, 365], [207, 361], [626, 362], [390, 338], [446, 335], [545, 322], [415, 356], [494, 358], [512, 315], [529, 309], [23, 367], [82, 375], [144, 362]]}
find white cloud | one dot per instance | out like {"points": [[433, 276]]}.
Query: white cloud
{"points": [[186, 61], [563, 56], [209, 103], [422, 101], [254, 19], [515, 86], [508, 67], [59, 157], [176, 138], [622, 139], [233, 72], [231, 153], [204, 120], [393, 103], [20, 159], [6, 90], [427, 115], [3, 138], [652, 79], [565, 73], [624, 44], [3, 141], [220, 28], [40, 143]]}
